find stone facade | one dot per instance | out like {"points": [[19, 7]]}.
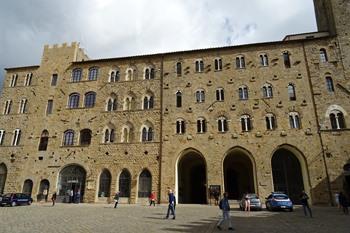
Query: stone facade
{"points": [[218, 136]]}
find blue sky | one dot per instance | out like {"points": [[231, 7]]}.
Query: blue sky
{"points": [[114, 28]]}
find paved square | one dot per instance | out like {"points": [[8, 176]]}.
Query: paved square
{"points": [[190, 218]]}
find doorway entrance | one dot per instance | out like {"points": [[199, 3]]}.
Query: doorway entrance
{"points": [[3, 175], [192, 179], [238, 174], [287, 174], [72, 178]]}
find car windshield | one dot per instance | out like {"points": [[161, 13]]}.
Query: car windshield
{"points": [[280, 196], [252, 196]]}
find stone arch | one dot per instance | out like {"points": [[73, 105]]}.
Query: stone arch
{"points": [[239, 170], [124, 183], [144, 184], [3, 176], [191, 177], [44, 189], [289, 171], [71, 177], [104, 183], [27, 187]]}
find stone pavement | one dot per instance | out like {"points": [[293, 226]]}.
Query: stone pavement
{"points": [[102, 218]]}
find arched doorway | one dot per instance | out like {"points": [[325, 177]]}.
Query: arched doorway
{"points": [[43, 190], [3, 175], [71, 178], [28, 187], [145, 184], [192, 179], [124, 183], [105, 184], [238, 174], [287, 174]]}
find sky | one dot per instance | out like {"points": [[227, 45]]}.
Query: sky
{"points": [[116, 28]]}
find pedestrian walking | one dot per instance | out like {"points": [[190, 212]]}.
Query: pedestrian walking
{"points": [[344, 203], [53, 198], [246, 203], [77, 196], [171, 206], [304, 201], [336, 197], [116, 199], [71, 196], [152, 199], [225, 207]]}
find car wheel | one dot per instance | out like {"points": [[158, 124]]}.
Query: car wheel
{"points": [[13, 204], [29, 202]]}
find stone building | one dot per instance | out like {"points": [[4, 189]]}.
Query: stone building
{"points": [[252, 118]]}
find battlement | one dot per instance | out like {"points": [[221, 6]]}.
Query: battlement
{"points": [[63, 53]]}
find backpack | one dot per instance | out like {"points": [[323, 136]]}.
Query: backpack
{"points": [[220, 204]]}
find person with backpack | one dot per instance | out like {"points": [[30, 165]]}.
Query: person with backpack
{"points": [[225, 207], [304, 201]]}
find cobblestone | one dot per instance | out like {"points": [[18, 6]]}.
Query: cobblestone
{"points": [[103, 218]]}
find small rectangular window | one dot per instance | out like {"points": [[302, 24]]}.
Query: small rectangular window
{"points": [[286, 60], [49, 107], [54, 80]]}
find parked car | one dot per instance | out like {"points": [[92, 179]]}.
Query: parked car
{"points": [[13, 199], [255, 202], [278, 201]]}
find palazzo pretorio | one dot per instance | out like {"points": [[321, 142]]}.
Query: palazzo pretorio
{"points": [[261, 117]]}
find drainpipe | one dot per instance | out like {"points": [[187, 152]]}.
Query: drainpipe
{"points": [[161, 130], [318, 128]]}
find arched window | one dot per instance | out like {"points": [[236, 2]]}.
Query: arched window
{"points": [[267, 90], [114, 76], [264, 60], [112, 103], [218, 64], [109, 135], [27, 187], [201, 125], [148, 102], [105, 184], [294, 120], [129, 74], [124, 183], [28, 79], [23, 106], [178, 68], [246, 123], [323, 55], [76, 75], [200, 96], [73, 101], [145, 184], [180, 126], [93, 73], [240, 62], [220, 94], [199, 65], [149, 73], [90, 98], [127, 133], [291, 92], [3, 176], [129, 103], [2, 136], [16, 137], [243, 93], [329, 84], [147, 134], [178, 99], [222, 124], [337, 120], [270, 121], [13, 80], [286, 59], [44, 140], [8, 105], [68, 138], [85, 137]]}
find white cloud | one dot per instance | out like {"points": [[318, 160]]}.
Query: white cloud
{"points": [[109, 28]]}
